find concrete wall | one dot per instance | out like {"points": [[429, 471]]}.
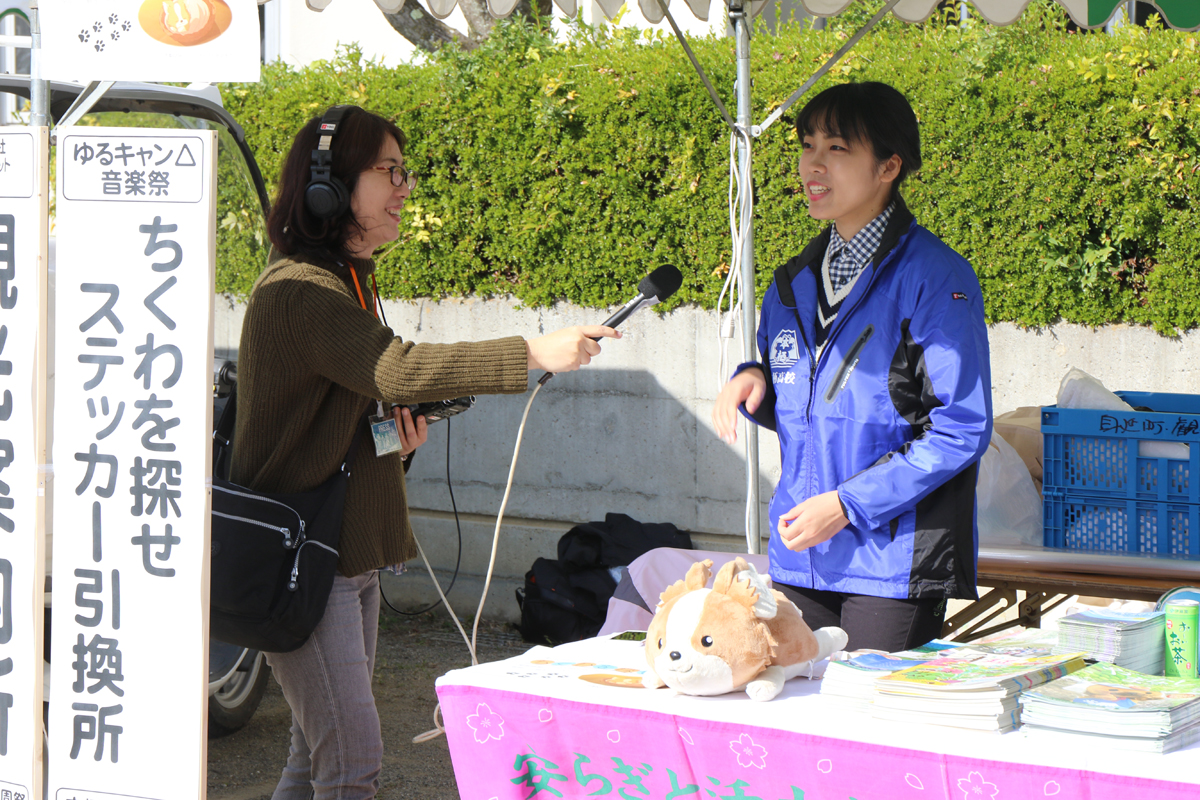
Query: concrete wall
{"points": [[631, 432]]}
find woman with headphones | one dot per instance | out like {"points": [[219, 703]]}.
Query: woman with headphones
{"points": [[313, 359]]}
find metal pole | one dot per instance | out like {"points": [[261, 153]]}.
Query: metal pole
{"points": [[39, 90], [739, 15]]}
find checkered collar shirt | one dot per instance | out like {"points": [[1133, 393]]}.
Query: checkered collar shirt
{"points": [[847, 259]]}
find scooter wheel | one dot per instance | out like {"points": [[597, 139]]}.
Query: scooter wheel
{"points": [[235, 703]]}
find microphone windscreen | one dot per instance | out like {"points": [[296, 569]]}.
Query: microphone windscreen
{"points": [[662, 283]]}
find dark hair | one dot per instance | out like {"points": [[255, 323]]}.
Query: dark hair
{"points": [[292, 228], [873, 113]]}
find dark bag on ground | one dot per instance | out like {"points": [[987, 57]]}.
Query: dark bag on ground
{"points": [[566, 600], [273, 555]]}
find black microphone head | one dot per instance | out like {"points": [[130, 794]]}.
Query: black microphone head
{"points": [[662, 283]]}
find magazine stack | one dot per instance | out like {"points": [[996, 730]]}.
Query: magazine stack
{"points": [[1104, 705], [1129, 639], [852, 682], [973, 687]]}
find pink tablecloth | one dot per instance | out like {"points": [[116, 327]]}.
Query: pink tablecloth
{"points": [[572, 722]]}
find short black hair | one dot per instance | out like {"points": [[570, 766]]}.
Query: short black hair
{"points": [[870, 112]]}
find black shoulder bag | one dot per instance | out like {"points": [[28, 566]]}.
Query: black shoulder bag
{"points": [[273, 555]]}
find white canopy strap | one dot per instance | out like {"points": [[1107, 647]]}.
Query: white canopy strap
{"points": [[1180, 14]]}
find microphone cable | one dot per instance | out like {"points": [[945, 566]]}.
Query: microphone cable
{"points": [[741, 212], [439, 729], [450, 486], [457, 559], [654, 288]]}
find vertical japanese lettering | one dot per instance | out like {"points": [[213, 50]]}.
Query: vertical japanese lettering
{"points": [[8, 262]]}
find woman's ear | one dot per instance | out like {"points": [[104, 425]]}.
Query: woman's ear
{"points": [[889, 170]]}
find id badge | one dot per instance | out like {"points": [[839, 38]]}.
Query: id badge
{"points": [[386, 435]]}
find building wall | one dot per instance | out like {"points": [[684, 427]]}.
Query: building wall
{"points": [[631, 433]]}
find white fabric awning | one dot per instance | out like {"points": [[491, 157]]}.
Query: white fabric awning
{"points": [[1182, 14]]}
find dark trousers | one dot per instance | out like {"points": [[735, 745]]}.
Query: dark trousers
{"points": [[876, 623]]}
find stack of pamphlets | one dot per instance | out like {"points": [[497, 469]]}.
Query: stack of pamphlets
{"points": [[1130, 639], [1105, 705], [1018, 635], [973, 687], [852, 681]]}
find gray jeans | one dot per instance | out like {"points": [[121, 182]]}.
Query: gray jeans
{"points": [[337, 749]]}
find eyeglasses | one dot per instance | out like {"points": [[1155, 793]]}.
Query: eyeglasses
{"points": [[400, 176]]}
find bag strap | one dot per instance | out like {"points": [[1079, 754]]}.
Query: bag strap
{"points": [[223, 437]]}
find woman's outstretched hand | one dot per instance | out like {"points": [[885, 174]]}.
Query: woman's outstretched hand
{"points": [[567, 349], [748, 386]]}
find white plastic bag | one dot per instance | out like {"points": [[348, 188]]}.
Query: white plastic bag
{"points": [[1008, 507], [1080, 390]]}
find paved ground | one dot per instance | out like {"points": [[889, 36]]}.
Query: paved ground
{"points": [[413, 652]]}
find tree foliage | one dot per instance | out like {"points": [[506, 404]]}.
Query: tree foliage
{"points": [[1065, 166]]}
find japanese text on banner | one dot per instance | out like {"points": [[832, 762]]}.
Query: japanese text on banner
{"points": [[131, 445]]}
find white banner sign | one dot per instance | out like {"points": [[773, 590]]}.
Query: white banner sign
{"points": [[132, 437], [150, 40], [23, 195]]}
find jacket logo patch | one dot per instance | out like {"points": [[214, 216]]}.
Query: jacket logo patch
{"points": [[959, 296], [784, 350]]}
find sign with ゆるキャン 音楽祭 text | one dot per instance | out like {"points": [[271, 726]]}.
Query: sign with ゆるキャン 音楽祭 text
{"points": [[24, 156], [150, 40], [135, 228]]}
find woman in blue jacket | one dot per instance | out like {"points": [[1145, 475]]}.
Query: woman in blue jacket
{"points": [[875, 376]]}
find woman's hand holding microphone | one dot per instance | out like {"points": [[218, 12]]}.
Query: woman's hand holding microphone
{"points": [[562, 351], [568, 349]]}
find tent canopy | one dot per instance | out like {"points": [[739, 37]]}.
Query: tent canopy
{"points": [[1181, 14]]}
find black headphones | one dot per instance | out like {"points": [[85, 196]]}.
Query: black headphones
{"points": [[326, 197]]}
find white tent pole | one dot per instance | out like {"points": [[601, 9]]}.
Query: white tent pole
{"points": [[39, 90], [739, 16]]}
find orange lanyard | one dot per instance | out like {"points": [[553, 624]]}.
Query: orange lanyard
{"points": [[358, 289]]}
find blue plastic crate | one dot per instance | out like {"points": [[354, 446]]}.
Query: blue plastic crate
{"points": [[1100, 493], [1128, 526], [1095, 453]]}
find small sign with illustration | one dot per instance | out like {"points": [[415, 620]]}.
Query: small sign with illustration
{"points": [[150, 40]]}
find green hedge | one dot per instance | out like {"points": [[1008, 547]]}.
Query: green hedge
{"points": [[1065, 166]]}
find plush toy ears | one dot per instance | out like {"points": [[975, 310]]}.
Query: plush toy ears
{"points": [[696, 578], [741, 581]]}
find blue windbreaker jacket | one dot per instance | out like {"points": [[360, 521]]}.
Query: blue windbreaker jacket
{"points": [[894, 415]]}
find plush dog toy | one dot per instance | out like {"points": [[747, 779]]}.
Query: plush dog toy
{"points": [[740, 634]]}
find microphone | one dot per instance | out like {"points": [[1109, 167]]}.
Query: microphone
{"points": [[654, 288]]}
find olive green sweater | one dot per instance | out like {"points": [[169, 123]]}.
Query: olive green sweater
{"points": [[311, 361]]}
